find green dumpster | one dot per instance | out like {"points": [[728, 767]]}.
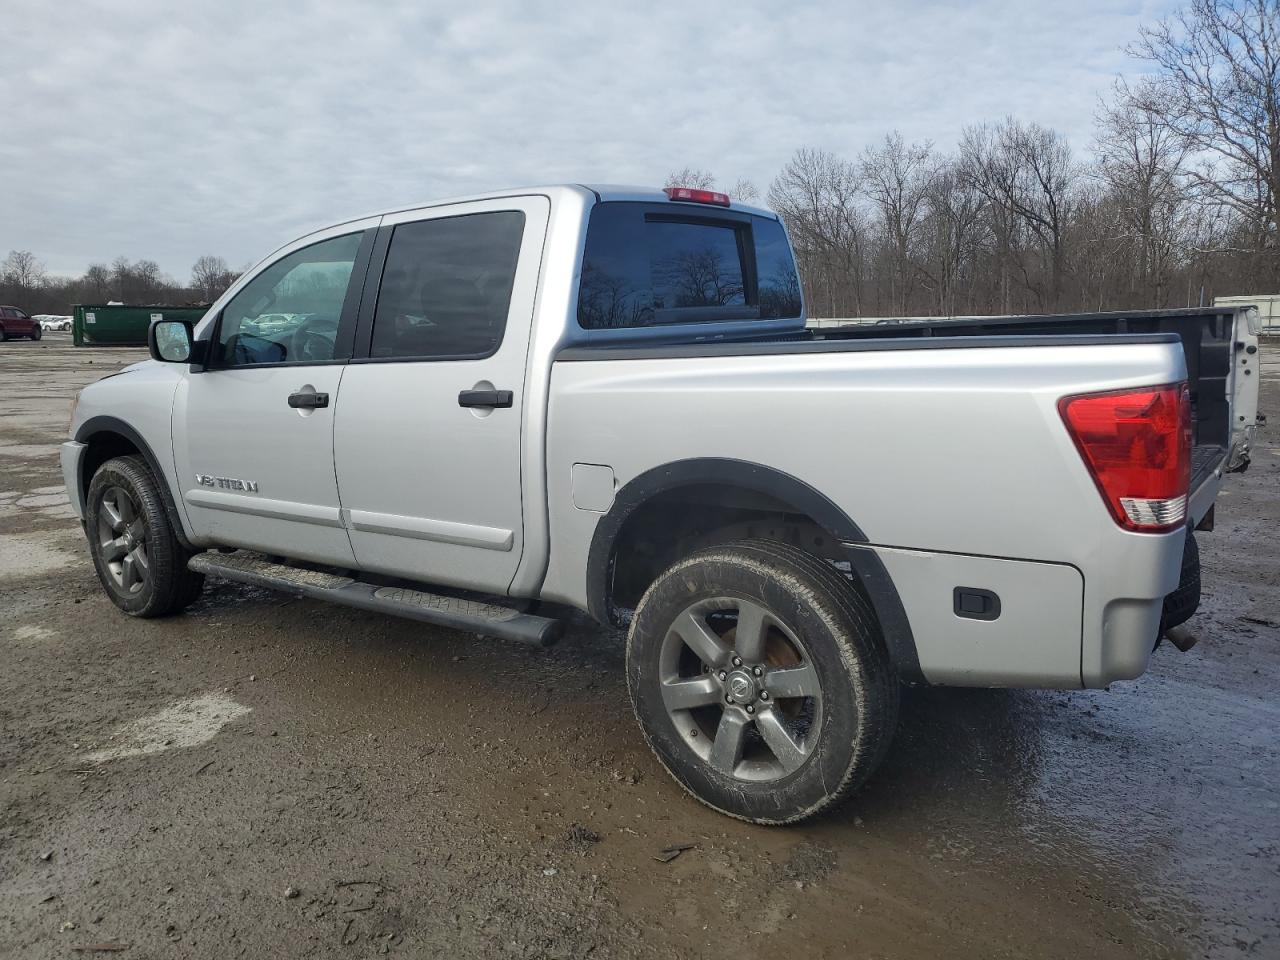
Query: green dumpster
{"points": [[100, 324]]}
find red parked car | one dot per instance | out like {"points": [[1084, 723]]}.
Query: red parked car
{"points": [[16, 323]]}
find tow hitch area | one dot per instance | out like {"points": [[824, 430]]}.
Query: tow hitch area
{"points": [[1181, 637]]}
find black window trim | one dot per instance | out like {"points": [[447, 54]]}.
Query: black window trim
{"points": [[343, 343], [377, 267]]}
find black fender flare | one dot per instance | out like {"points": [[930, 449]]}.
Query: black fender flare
{"points": [[800, 496], [96, 426]]}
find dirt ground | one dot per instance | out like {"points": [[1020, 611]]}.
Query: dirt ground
{"points": [[266, 777]]}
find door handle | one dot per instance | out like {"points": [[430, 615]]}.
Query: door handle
{"points": [[308, 401], [485, 398]]}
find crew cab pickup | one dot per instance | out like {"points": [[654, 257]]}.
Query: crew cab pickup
{"points": [[482, 411]]}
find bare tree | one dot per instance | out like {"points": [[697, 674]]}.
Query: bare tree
{"points": [[139, 282], [817, 194], [1219, 91], [211, 277], [896, 177], [744, 190], [121, 279], [1027, 171], [22, 272], [691, 177], [953, 227], [1143, 164], [97, 281]]}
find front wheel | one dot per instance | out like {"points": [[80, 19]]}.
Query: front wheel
{"points": [[138, 558], [761, 681], [37, 332]]}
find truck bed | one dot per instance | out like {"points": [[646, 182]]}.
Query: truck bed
{"points": [[1205, 333]]}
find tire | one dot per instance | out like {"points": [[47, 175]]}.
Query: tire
{"points": [[807, 715], [37, 332], [139, 561], [3, 336], [1180, 605]]}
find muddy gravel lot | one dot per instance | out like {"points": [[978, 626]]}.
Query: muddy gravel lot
{"points": [[267, 777]]}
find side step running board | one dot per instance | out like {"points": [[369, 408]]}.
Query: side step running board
{"points": [[476, 616]]}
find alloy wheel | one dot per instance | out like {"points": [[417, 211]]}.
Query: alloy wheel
{"points": [[122, 540], [740, 689]]}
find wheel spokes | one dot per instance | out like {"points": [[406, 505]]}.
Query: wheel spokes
{"points": [[114, 517], [688, 694], [726, 749], [701, 639], [757, 671], [122, 539], [128, 572], [790, 752], [749, 636], [800, 681], [113, 550]]}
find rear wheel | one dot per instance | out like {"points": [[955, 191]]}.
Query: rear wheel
{"points": [[761, 681], [139, 560]]}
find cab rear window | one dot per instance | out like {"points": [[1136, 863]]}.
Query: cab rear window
{"points": [[652, 264]]}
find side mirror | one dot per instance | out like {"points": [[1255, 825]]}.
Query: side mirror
{"points": [[170, 341]]}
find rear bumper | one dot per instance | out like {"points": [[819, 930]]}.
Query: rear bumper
{"points": [[71, 455], [1130, 628]]}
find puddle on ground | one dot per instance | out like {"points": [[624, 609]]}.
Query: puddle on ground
{"points": [[187, 723]]}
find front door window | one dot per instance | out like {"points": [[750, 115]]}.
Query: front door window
{"points": [[290, 312]]}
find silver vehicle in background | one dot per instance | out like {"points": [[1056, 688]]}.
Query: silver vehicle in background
{"points": [[474, 411]]}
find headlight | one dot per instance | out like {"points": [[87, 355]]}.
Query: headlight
{"points": [[75, 402]]}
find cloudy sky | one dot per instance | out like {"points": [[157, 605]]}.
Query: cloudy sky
{"points": [[168, 130]]}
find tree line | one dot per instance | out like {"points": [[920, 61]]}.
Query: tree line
{"points": [[1177, 203], [24, 282]]}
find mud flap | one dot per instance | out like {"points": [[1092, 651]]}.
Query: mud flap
{"points": [[1180, 605]]}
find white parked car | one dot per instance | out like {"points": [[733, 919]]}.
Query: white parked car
{"points": [[607, 399]]}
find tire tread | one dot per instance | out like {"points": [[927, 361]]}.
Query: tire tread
{"points": [[861, 646], [174, 587]]}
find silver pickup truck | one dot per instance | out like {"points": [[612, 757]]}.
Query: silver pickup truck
{"points": [[481, 411]]}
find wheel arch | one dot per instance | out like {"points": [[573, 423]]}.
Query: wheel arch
{"points": [[107, 437], [700, 502]]}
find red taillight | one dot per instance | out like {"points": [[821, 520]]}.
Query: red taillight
{"points": [[1137, 446], [689, 195]]}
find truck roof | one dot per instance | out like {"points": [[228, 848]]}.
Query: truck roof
{"points": [[602, 192]]}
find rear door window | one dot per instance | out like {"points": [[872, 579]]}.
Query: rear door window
{"points": [[446, 287], [649, 264]]}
